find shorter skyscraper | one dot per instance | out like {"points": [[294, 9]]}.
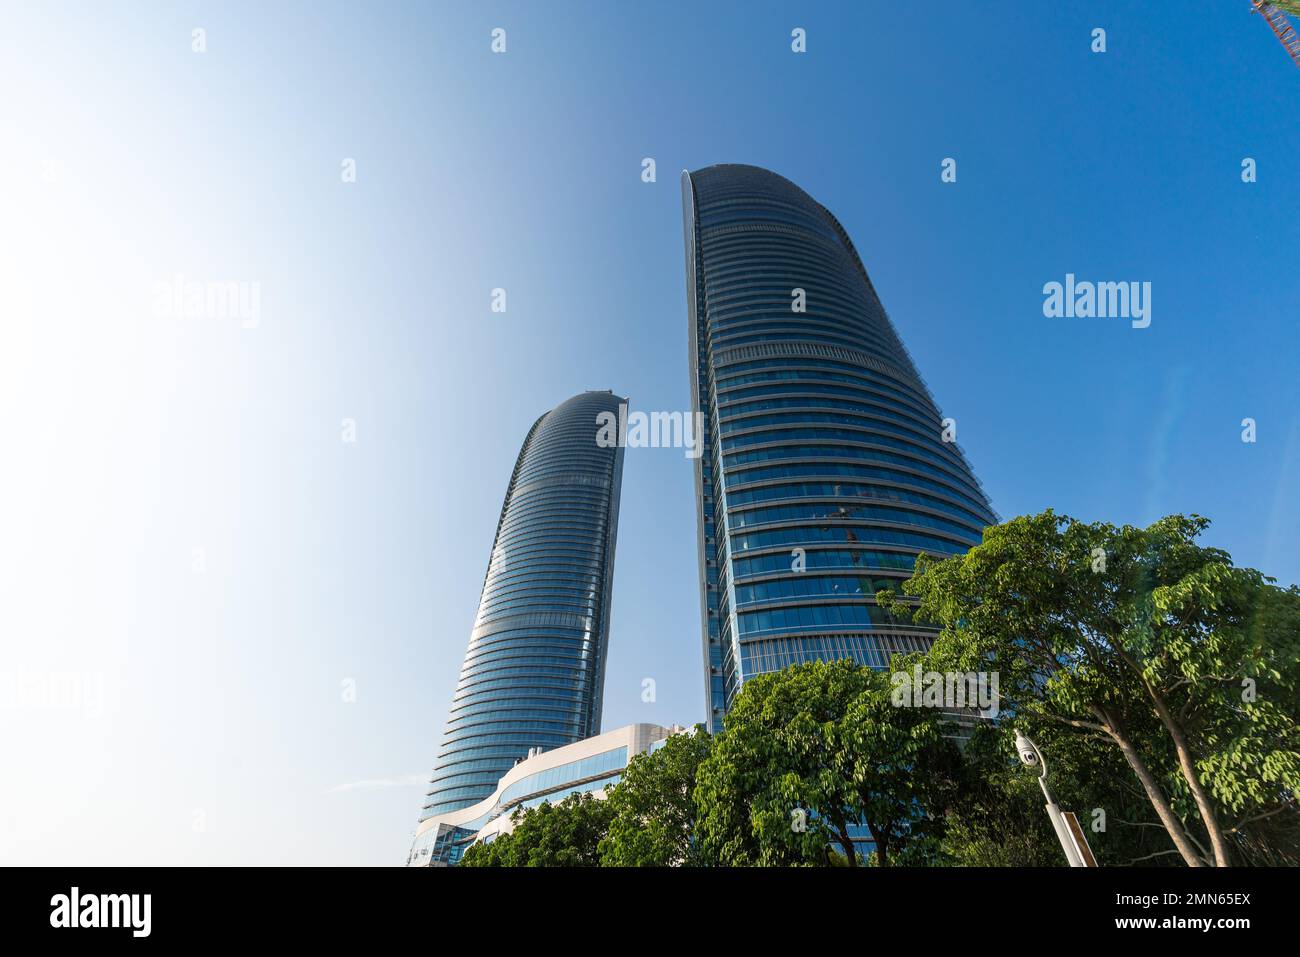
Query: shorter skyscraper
{"points": [[534, 672]]}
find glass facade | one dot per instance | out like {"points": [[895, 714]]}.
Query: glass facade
{"points": [[590, 766], [826, 468], [446, 844], [581, 771], [534, 672]]}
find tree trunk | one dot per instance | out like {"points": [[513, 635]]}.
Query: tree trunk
{"points": [[1188, 767], [1152, 788], [846, 842], [882, 848]]}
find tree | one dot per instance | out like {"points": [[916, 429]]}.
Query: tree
{"points": [[1145, 640], [652, 809], [998, 818], [549, 835], [812, 752]]}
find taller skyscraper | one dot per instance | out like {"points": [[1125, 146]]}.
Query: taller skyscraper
{"points": [[534, 673], [826, 466]]}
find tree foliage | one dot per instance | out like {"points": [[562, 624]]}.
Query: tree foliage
{"points": [[566, 834], [1146, 642], [999, 819], [653, 811], [812, 752]]}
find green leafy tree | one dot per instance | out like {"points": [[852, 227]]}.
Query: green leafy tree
{"points": [[550, 835], [1145, 640], [998, 819], [652, 809], [808, 753]]}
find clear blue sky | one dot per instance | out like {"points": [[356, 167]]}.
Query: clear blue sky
{"points": [[133, 439]]}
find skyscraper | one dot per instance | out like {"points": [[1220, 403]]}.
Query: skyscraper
{"points": [[534, 672], [827, 466]]}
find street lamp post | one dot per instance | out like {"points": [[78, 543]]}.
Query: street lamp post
{"points": [[1071, 839]]}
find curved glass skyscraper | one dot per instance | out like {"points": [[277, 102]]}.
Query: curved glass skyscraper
{"points": [[534, 673], [826, 468]]}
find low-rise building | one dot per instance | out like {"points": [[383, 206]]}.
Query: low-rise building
{"points": [[590, 765]]}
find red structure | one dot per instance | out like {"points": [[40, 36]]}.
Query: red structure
{"points": [[1281, 26]]}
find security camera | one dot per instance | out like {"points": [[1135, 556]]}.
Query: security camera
{"points": [[1028, 753]]}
